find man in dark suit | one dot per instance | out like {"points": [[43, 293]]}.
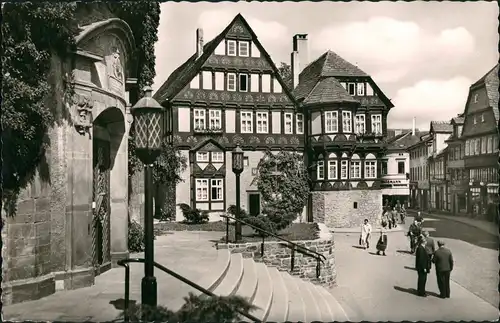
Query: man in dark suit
{"points": [[421, 265], [443, 260], [430, 248]]}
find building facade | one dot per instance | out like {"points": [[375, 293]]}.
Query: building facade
{"points": [[230, 93], [455, 168], [74, 226], [480, 134], [419, 172]]}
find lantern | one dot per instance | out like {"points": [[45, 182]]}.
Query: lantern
{"points": [[237, 160]]}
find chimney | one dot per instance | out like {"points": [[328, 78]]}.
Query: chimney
{"points": [[413, 126], [199, 42], [299, 57]]}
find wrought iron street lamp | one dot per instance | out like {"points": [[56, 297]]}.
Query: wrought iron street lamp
{"points": [[238, 166], [148, 137]]}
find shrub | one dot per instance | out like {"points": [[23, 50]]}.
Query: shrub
{"points": [[193, 216], [262, 222], [231, 210], [135, 237], [195, 309], [165, 214]]}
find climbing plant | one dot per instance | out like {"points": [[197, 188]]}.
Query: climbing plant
{"points": [[284, 185]]}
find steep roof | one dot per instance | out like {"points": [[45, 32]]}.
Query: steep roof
{"points": [[185, 73], [491, 83], [404, 140], [458, 120], [334, 65], [441, 126]]}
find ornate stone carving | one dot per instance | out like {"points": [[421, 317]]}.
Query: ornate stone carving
{"points": [[225, 61], [237, 97], [116, 65], [191, 140], [213, 60], [237, 29], [340, 137], [271, 98], [294, 141], [248, 98], [82, 113], [270, 141], [224, 96], [188, 94], [238, 140], [223, 140], [254, 140], [177, 139], [213, 96], [282, 141], [200, 95], [238, 61]]}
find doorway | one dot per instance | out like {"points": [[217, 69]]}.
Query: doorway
{"points": [[254, 204]]}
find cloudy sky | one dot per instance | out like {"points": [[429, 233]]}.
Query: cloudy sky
{"points": [[423, 55]]}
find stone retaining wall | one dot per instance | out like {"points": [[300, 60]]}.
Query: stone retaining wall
{"points": [[277, 254]]}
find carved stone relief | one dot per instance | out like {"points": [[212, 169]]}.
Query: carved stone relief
{"points": [[254, 140], [82, 113], [238, 140], [294, 141], [270, 141]]}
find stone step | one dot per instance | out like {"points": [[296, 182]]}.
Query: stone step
{"points": [[324, 309], [312, 312], [249, 281], [232, 277], [296, 306], [338, 313], [279, 305], [264, 294]]}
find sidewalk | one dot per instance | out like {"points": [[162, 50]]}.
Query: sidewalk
{"points": [[488, 227]]}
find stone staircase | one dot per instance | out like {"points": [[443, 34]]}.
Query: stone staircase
{"points": [[278, 295]]}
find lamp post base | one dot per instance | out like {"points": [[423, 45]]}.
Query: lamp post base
{"points": [[149, 291]]}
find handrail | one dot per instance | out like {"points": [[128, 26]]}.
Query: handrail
{"points": [[124, 263], [304, 249]]}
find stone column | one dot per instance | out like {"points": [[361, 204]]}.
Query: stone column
{"points": [[119, 192]]}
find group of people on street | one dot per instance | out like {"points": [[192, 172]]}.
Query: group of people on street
{"points": [[391, 214], [426, 254]]}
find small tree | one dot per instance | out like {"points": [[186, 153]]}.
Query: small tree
{"points": [[285, 71], [284, 185]]}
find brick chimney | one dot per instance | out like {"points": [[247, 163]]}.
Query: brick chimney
{"points": [[299, 57], [199, 42], [413, 126]]}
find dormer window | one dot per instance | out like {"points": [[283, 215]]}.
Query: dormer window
{"points": [[231, 48], [346, 121], [351, 88], [361, 89], [217, 157], [476, 96], [243, 48], [331, 121]]}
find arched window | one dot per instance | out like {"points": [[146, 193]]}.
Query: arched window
{"points": [[370, 166], [355, 166]]}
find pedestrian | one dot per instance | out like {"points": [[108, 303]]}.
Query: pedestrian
{"points": [[384, 219], [382, 241], [402, 214], [366, 231], [419, 217], [394, 216], [443, 261], [422, 266], [414, 233], [430, 248]]}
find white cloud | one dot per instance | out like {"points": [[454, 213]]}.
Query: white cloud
{"points": [[161, 64], [391, 48], [428, 100]]}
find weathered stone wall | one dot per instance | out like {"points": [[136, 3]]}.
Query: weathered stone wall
{"points": [[277, 254], [337, 208]]}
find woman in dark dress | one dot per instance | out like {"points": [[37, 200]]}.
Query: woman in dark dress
{"points": [[382, 241]]}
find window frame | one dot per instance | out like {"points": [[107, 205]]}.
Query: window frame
{"points": [[220, 185], [215, 117], [373, 118], [264, 122], [239, 48], [349, 88], [344, 163], [228, 46], [240, 75], [483, 145], [217, 153], [320, 170], [370, 163], [200, 118], [355, 165], [334, 118], [228, 88], [246, 119], [358, 122], [299, 120], [333, 163], [344, 123], [404, 167], [285, 115], [360, 86], [199, 198], [202, 153]]}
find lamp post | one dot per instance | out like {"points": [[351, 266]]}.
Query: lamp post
{"points": [[237, 159], [148, 126]]}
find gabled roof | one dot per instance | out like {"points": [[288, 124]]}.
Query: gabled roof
{"points": [[334, 65], [404, 141], [185, 73], [458, 120], [492, 86], [441, 126]]}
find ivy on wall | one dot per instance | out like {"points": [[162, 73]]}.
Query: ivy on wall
{"points": [[284, 186]]}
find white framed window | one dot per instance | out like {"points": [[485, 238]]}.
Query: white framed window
{"points": [[195, 82], [207, 80], [219, 81], [262, 122], [320, 170], [351, 88], [200, 119], [331, 121], [243, 84], [217, 157], [217, 190], [344, 169], [299, 118], [266, 83], [346, 121], [483, 145], [246, 121], [231, 82], [277, 86], [202, 156], [355, 169], [243, 49], [360, 123], [214, 119], [489, 149], [254, 82], [361, 89], [377, 123], [231, 48], [201, 189], [332, 169], [370, 169], [288, 123]]}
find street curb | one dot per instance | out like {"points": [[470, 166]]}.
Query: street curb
{"points": [[459, 220]]}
